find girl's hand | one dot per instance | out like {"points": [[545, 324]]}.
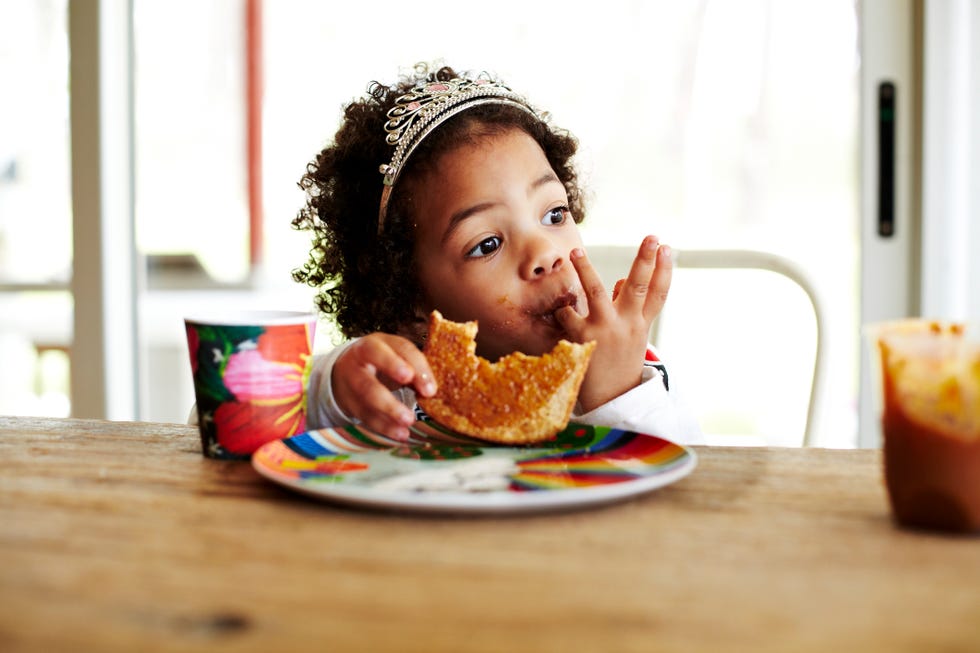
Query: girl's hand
{"points": [[364, 376], [620, 326]]}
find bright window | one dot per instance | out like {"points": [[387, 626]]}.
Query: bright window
{"points": [[35, 209]]}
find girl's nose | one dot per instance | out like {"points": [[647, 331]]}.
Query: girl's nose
{"points": [[542, 257]]}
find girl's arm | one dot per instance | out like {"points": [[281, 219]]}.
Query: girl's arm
{"points": [[649, 408], [321, 407]]}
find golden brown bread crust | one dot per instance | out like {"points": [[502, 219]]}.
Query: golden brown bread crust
{"points": [[520, 399]]}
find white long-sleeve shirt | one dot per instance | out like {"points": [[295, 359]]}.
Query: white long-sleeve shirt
{"points": [[649, 408]]}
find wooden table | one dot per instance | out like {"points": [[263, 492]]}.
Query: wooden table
{"points": [[122, 537]]}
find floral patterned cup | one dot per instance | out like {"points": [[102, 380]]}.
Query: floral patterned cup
{"points": [[250, 374]]}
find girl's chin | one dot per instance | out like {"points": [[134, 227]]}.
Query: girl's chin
{"points": [[537, 348], [537, 337]]}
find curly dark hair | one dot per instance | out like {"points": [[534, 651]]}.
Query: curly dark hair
{"points": [[368, 281]]}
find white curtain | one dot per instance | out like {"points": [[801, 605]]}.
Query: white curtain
{"points": [[951, 161]]}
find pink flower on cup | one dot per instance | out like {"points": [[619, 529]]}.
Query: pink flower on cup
{"points": [[269, 384], [250, 377]]}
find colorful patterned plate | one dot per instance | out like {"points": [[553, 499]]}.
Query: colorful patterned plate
{"points": [[439, 470]]}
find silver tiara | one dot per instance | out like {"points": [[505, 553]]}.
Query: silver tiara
{"points": [[417, 113]]}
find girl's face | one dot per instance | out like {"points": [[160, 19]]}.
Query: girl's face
{"points": [[493, 240]]}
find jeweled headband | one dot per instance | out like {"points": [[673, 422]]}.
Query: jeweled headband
{"points": [[417, 113]]}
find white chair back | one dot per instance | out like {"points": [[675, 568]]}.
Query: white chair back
{"points": [[613, 263]]}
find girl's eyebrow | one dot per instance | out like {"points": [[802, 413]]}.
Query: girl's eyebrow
{"points": [[546, 178], [458, 217]]}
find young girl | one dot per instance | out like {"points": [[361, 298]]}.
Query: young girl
{"points": [[452, 192]]}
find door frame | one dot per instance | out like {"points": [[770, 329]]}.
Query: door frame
{"points": [[891, 52]]}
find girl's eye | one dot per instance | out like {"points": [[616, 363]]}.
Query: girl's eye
{"points": [[557, 215], [486, 247]]}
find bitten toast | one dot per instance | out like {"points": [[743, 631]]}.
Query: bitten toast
{"points": [[519, 399]]}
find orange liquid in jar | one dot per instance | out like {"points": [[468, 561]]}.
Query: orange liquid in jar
{"points": [[931, 425]]}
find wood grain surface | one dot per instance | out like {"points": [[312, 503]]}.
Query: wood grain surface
{"points": [[122, 537]]}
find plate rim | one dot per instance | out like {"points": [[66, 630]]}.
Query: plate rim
{"points": [[490, 502]]}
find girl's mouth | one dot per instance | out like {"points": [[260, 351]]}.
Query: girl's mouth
{"points": [[547, 313]]}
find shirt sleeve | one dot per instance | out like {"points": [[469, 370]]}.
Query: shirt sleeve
{"points": [[649, 408], [321, 407]]}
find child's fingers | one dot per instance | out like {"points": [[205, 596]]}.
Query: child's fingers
{"points": [[361, 395], [380, 411], [635, 291], [595, 292], [618, 287], [396, 361], [367, 372], [659, 283], [422, 380]]}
